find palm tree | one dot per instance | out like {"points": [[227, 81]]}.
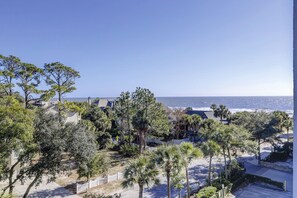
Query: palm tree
{"points": [[213, 107], [222, 111], [187, 121], [140, 171], [168, 158], [189, 152], [211, 149]]}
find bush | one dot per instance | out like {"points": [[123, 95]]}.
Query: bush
{"points": [[129, 150], [206, 192]]}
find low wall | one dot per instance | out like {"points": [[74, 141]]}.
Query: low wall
{"points": [[276, 166]]}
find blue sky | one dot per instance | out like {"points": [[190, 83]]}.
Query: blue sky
{"points": [[174, 48]]}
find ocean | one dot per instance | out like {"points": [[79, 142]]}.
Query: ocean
{"points": [[235, 104]]}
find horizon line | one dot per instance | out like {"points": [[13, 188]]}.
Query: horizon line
{"points": [[180, 96]]}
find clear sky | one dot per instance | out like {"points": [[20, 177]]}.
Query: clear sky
{"points": [[174, 48]]}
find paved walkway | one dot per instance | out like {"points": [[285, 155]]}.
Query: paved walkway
{"points": [[44, 190], [258, 191], [270, 173]]}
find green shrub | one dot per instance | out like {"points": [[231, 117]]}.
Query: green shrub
{"points": [[206, 192], [129, 150]]}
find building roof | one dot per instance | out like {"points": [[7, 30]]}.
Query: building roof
{"points": [[103, 103], [203, 114]]}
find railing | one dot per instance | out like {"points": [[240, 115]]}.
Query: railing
{"points": [[82, 187]]}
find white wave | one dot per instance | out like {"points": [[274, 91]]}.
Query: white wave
{"points": [[234, 110]]}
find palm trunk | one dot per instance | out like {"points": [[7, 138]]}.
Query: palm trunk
{"points": [[144, 141], [168, 185], [188, 185], [31, 185], [140, 191], [209, 171], [141, 141]]}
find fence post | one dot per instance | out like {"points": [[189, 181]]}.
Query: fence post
{"points": [[76, 188], [107, 179], [285, 185], [118, 176], [223, 190]]}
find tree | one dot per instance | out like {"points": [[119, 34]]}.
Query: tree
{"points": [[92, 167], [124, 110], [9, 67], [213, 107], [221, 111], [29, 77], [102, 125], [141, 171], [61, 78], [150, 116], [288, 124], [208, 128], [260, 124], [280, 117], [232, 137], [188, 153], [187, 121], [211, 149], [168, 158], [16, 135], [53, 140], [51, 143], [188, 109]]}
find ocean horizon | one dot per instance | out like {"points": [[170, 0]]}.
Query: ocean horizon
{"points": [[234, 103]]}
